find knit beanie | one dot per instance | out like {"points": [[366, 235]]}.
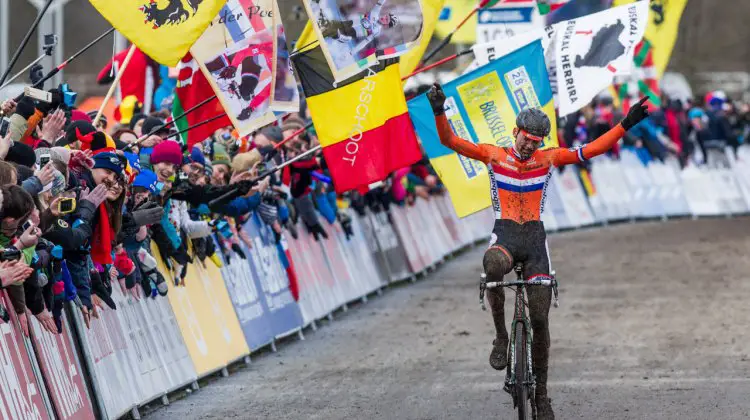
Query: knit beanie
{"points": [[134, 120], [273, 133], [154, 123], [147, 179], [60, 153], [221, 157], [245, 161], [78, 115], [74, 130], [111, 161], [21, 154], [167, 151], [293, 124], [134, 161], [196, 156], [97, 142]]}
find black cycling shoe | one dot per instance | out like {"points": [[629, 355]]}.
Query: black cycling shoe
{"points": [[544, 408], [499, 354]]}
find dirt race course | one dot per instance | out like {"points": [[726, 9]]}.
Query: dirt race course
{"points": [[653, 324]]}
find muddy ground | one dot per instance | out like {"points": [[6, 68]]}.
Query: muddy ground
{"points": [[654, 322]]}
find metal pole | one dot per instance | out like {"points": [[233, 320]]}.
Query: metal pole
{"points": [[4, 33], [60, 31], [24, 70], [25, 41]]}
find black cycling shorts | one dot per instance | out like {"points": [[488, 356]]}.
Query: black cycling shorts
{"points": [[526, 243]]}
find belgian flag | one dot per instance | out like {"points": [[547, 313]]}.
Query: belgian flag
{"points": [[362, 123]]}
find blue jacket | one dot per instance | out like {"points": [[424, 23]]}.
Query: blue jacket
{"points": [[241, 205]]}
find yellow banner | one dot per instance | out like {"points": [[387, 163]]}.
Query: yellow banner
{"points": [[163, 29], [451, 15], [206, 317], [662, 29], [430, 13]]}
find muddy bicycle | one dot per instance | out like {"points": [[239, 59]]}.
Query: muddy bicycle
{"points": [[520, 382]]}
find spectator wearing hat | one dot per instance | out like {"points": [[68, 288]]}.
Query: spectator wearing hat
{"points": [[154, 132], [73, 134], [166, 158], [221, 165], [136, 124], [101, 125]]}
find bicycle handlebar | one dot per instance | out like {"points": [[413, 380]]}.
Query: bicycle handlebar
{"points": [[494, 284], [548, 282]]}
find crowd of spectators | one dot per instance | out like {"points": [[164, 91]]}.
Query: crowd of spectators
{"points": [[695, 132], [84, 206]]}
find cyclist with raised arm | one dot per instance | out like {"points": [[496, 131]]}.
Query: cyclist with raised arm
{"points": [[519, 177]]}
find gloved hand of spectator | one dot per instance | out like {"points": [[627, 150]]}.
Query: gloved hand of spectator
{"points": [[346, 224], [148, 214], [238, 250], [95, 196], [36, 73], [101, 290]]}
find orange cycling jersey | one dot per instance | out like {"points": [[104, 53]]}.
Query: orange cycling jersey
{"points": [[519, 186]]}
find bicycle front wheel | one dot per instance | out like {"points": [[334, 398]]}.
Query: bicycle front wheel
{"points": [[522, 391]]}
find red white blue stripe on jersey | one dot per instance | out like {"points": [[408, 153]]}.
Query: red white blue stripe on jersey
{"points": [[509, 180]]}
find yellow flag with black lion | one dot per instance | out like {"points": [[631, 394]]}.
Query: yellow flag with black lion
{"points": [[163, 29]]}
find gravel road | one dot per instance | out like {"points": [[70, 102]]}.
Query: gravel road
{"points": [[653, 323]]}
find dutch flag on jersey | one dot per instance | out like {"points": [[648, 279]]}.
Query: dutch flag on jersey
{"points": [[520, 182]]}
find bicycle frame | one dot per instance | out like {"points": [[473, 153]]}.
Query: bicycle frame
{"points": [[519, 315]]}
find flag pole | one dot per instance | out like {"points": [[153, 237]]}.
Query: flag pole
{"points": [[62, 65], [447, 39], [172, 121], [216, 117], [115, 83], [437, 63], [293, 135], [25, 41], [230, 195]]}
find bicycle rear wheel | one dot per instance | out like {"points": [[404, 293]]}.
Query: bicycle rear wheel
{"points": [[522, 391]]}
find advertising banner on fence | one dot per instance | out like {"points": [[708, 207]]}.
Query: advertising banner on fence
{"points": [[481, 106], [259, 288], [207, 320], [248, 299], [58, 362], [20, 391], [390, 251], [284, 314]]}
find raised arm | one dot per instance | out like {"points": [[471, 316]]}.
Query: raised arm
{"points": [[603, 143], [457, 144], [461, 146], [597, 147]]}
